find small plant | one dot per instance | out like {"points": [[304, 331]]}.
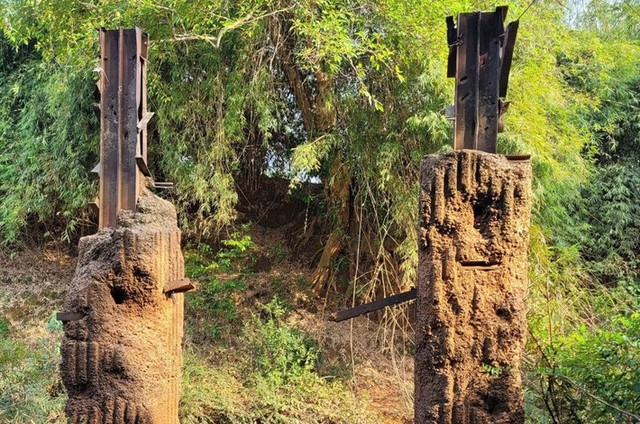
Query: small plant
{"points": [[280, 288], [280, 352], [54, 325], [301, 282], [495, 371], [220, 276], [4, 327], [237, 253], [199, 261]]}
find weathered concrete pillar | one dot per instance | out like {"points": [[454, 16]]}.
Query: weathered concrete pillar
{"points": [[472, 280], [121, 351]]}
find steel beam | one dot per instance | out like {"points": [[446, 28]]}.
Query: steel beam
{"points": [[365, 308], [123, 121], [480, 56]]}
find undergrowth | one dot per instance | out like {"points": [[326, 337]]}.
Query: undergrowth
{"points": [[247, 364], [271, 379], [221, 276], [30, 386], [242, 364]]}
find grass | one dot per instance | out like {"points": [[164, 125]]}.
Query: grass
{"points": [[30, 386], [270, 379]]}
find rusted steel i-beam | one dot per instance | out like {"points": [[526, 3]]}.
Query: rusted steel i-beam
{"points": [[123, 121], [480, 53]]}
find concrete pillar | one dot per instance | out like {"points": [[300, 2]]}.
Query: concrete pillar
{"points": [[121, 351], [472, 281]]}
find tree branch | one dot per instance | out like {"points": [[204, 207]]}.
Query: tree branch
{"points": [[215, 40], [598, 399], [296, 81]]}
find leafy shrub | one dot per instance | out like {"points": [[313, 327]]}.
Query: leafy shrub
{"points": [[281, 372], [237, 254], [280, 353], [227, 392], [220, 276], [602, 368]]}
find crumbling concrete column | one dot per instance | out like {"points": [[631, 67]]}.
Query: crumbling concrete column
{"points": [[472, 280], [121, 351]]}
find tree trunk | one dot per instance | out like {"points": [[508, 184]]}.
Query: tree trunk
{"points": [[338, 186], [319, 117], [339, 193]]}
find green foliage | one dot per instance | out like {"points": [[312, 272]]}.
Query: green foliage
{"points": [[271, 375], [612, 209], [495, 371], [215, 393], [279, 252], [280, 353], [603, 366], [281, 372], [219, 280], [48, 141], [584, 268], [212, 394], [214, 80], [214, 303], [30, 387], [54, 325], [237, 253]]}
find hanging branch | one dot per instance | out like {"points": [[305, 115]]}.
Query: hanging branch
{"points": [[215, 40]]}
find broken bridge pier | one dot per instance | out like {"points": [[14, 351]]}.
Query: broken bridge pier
{"points": [[123, 312], [475, 208], [122, 344], [474, 214]]}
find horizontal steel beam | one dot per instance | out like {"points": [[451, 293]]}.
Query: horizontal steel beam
{"points": [[365, 308]]}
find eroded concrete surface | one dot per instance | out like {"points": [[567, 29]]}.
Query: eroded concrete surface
{"points": [[472, 281], [121, 353]]}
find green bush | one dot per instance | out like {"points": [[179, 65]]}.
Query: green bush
{"points": [[281, 372], [279, 353], [220, 277], [602, 369]]}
